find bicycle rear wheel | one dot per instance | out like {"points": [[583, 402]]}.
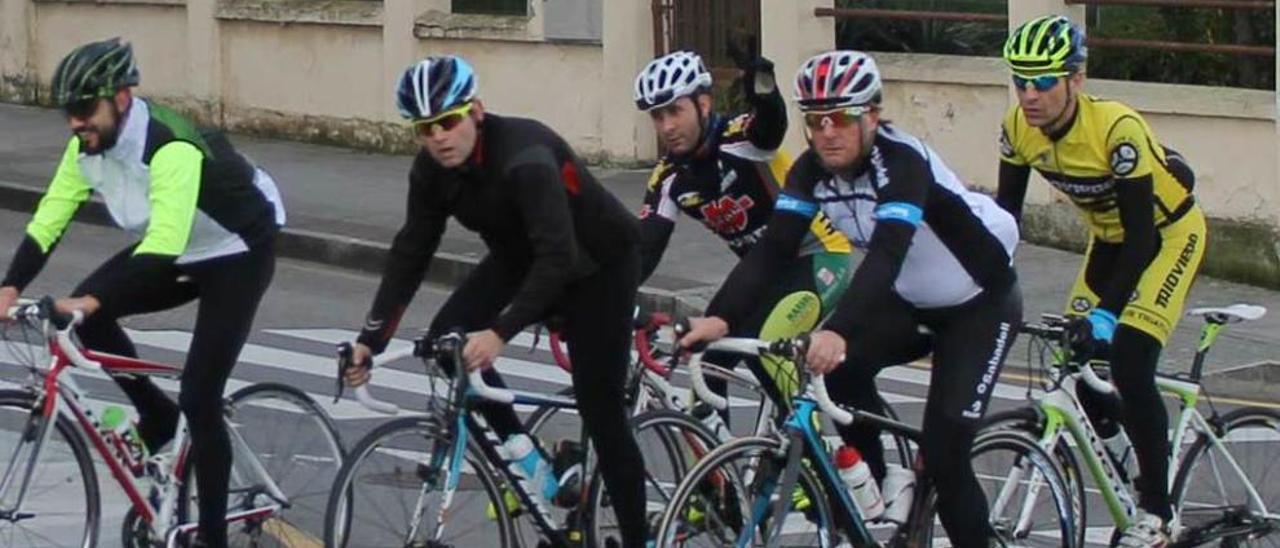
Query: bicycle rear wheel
{"points": [[1031, 421], [727, 497], [61, 507], [388, 494], [1213, 501], [672, 443], [279, 432], [1009, 465]]}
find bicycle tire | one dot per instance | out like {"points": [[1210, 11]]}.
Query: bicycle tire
{"points": [[341, 511], [1031, 420], [24, 402], [921, 525]]}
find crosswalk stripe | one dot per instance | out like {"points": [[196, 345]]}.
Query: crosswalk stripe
{"points": [[508, 366]]}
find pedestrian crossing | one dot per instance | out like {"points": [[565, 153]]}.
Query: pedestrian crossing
{"points": [[305, 357]]}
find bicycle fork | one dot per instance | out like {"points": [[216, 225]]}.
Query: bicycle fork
{"points": [[39, 427]]}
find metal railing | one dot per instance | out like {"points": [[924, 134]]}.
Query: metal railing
{"points": [[1093, 41]]}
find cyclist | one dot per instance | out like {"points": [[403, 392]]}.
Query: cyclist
{"points": [[558, 242], [937, 255], [726, 172], [1147, 234], [205, 220]]}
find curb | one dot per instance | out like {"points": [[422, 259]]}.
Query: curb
{"points": [[448, 269]]}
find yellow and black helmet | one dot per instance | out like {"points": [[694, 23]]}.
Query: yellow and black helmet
{"points": [[1045, 45]]}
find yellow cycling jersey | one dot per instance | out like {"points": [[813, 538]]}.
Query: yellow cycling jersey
{"points": [[1106, 144]]}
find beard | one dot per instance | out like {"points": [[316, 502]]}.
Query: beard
{"points": [[107, 134]]}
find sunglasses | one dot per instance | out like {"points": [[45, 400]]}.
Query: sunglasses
{"points": [[81, 108], [445, 121], [839, 118], [1042, 83]]}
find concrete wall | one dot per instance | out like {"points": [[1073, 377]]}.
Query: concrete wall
{"points": [[324, 71]]}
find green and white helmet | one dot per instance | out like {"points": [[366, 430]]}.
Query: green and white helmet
{"points": [[94, 70]]}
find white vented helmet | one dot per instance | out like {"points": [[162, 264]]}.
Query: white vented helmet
{"points": [[835, 79], [670, 77]]}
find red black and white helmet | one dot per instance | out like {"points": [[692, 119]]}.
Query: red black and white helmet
{"points": [[670, 77], [836, 79]]}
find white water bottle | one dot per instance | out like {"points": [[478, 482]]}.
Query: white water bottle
{"points": [[899, 491], [1121, 451], [536, 470], [857, 478]]}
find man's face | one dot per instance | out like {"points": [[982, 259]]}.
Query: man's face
{"points": [[679, 125], [451, 136], [1044, 99], [96, 121], [837, 136]]}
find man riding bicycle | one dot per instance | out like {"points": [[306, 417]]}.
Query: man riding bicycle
{"points": [[727, 172], [558, 243], [205, 221], [937, 256], [1147, 236]]}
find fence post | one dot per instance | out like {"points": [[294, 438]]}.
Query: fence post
{"points": [[204, 61], [17, 32], [791, 33], [627, 36]]}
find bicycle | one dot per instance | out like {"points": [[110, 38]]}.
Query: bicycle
{"points": [[51, 431], [666, 419], [449, 464], [738, 494], [1201, 464]]}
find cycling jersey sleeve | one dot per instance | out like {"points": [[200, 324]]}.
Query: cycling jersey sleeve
{"points": [[411, 251], [657, 219], [67, 191], [792, 215], [174, 191], [899, 210], [540, 191], [1012, 190], [1131, 167]]}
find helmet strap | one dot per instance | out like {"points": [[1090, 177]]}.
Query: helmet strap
{"points": [[1068, 110]]}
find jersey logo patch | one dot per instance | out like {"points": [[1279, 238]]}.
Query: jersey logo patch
{"points": [[689, 199], [1006, 148], [1124, 159], [1081, 305], [728, 215]]}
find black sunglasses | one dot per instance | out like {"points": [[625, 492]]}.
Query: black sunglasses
{"points": [[81, 108]]}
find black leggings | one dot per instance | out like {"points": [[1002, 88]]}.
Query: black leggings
{"points": [[969, 344], [1134, 358], [597, 312], [229, 289]]}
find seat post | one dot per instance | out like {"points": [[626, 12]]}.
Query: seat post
{"points": [[1208, 334]]}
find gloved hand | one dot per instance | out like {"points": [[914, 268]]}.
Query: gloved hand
{"points": [[1090, 336], [757, 72]]}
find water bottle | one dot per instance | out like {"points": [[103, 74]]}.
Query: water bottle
{"points": [[530, 465], [567, 466], [1120, 449], [857, 479], [116, 421], [899, 491], [711, 418]]}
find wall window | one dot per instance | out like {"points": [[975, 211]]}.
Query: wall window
{"points": [[491, 7]]}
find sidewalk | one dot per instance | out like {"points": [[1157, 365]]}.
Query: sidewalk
{"points": [[344, 207]]}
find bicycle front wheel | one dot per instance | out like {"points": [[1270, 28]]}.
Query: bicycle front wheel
{"points": [[389, 493], [1213, 501], [1028, 502], [61, 506], [727, 499]]}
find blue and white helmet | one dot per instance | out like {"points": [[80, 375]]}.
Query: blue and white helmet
{"points": [[670, 77], [434, 85]]}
